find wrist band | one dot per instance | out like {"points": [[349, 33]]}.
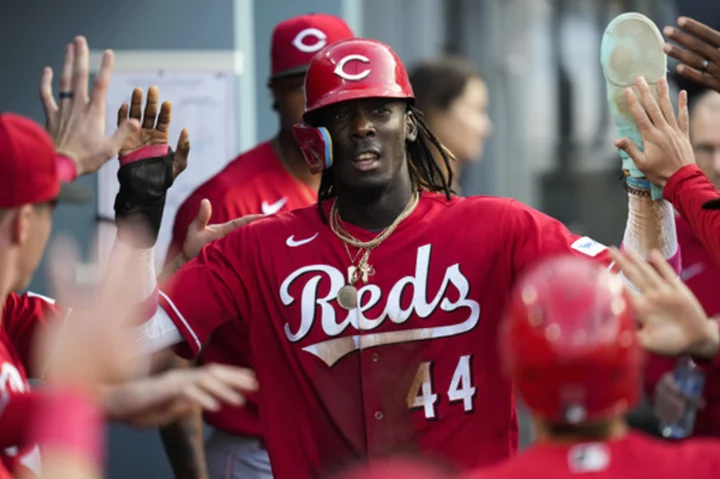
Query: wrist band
{"points": [[637, 183], [70, 422], [67, 169], [144, 153]]}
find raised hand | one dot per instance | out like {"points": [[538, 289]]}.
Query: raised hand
{"points": [[159, 400], [666, 138], [201, 233], [155, 128], [673, 321], [77, 126], [699, 51]]}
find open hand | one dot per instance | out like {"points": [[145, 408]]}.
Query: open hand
{"points": [[699, 51], [155, 127], [77, 126], [666, 138]]}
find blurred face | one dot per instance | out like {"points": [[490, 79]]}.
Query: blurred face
{"points": [[368, 138], [705, 137], [465, 125], [31, 229], [289, 96]]}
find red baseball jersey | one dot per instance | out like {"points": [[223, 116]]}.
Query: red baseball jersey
{"points": [[635, 456], [21, 316], [702, 275], [415, 367], [254, 183]]}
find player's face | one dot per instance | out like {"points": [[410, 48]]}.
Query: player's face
{"points": [[369, 138], [32, 232], [705, 136], [289, 96], [465, 125]]}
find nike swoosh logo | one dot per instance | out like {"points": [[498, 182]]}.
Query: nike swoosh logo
{"points": [[293, 243], [270, 209], [692, 271]]}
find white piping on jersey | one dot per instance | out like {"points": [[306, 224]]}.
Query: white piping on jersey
{"points": [[161, 312]]}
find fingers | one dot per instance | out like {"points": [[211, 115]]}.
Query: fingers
{"points": [[163, 121], [201, 397], [638, 112], [66, 77], [124, 130], [637, 271], [661, 265], [695, 51], [136, 104], [47, 98], [151, 108], [683, 113], [700, 30], [102, 82], [182, 152], [629, 147], [703, 78], [651, 106], [123, 113], [241, 379], [204, 213], [231, 225], [81, 70], [665, 104]]}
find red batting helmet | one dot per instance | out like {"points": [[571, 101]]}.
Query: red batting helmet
{"points": [[353, 69], [569, 342]]}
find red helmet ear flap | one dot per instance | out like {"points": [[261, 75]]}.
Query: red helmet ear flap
{"points": [[315, 145]]}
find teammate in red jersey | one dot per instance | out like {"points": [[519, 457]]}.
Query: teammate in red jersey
{"points": [[570, 346], [271, 177], [701, 274], [372, 317]]}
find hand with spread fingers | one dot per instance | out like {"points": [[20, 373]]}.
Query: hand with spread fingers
{"points": [[672, 320], [201, 233], [666, 138], [77, 125], [698, 51], [156, 401], [155, 128]]}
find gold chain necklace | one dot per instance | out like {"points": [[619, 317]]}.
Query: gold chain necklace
{"points": [[347, 295]]}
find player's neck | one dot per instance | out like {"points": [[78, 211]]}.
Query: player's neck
{"points": [[292, 159], [376, 211], [607, 431]]}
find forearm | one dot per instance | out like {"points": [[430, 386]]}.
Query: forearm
{"points": [[183, 440], [171, 267], [651, 225], [688, 189]]}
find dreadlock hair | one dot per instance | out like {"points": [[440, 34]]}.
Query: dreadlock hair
{"points": [[425, 172]]}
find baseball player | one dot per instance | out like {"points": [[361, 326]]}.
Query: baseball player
{"points": [[269, 178], [569, 343], [37, 168], [701, 274], [372, 316]]}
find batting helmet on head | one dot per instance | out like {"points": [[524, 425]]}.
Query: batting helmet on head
{"points": [[350, 69], [569, 342], [353, 69]]}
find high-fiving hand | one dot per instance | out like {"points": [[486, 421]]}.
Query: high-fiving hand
{"points": [[699, 51], [77, 125]]}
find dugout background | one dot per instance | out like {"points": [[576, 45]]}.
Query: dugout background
{"points": [[552, 146]]}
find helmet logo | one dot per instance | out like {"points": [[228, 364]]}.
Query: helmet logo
{"points": [[318, 35], [340, 68]]}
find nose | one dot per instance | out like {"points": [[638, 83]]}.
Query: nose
{"points": [[362, 127]]}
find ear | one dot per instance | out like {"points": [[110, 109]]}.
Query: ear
{"points": [[411, 127], [20, 221]]}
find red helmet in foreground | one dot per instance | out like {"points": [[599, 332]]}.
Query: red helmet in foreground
{"points": [[350, 69], [569, 342]]}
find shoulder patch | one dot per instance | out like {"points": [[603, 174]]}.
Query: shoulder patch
{"points": [[588, 246]]}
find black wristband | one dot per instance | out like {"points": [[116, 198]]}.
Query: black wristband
{"points": [[141, 199]]}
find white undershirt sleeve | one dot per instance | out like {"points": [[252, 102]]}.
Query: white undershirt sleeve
{"points": [[158, 333]]}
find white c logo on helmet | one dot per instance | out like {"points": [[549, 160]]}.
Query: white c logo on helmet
{"points": [[320, 40], [340, 68]]}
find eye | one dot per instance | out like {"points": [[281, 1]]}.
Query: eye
{"points": [[381, 109], [341, 115]]}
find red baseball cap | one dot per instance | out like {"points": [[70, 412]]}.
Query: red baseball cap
{"points": [[28, 166], [296, 40]]}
